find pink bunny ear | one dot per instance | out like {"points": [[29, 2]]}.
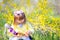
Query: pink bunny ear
{"points": [[20, 11]]}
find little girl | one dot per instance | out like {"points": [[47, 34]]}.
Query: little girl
{"points": [[20, 29]]}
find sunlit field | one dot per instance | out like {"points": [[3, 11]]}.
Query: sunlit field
{"points": [[40, 14]]}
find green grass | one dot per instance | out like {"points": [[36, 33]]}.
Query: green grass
{"points": [[38, 35]]}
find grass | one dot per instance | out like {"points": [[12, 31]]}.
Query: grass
{"points": [[38, 35]]}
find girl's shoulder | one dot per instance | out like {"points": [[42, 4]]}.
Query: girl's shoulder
{"points": [[7, 25]]}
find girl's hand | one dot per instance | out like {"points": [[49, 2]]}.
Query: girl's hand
{"points": [[27, 33], [19, 35]]}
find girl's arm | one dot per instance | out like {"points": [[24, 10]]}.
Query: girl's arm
{"points": [[5, 31], [6, 26]]}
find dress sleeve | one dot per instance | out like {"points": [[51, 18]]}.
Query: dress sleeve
{"points": [[6, 30]]}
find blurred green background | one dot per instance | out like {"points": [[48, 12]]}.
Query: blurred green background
{"points": [[44, 16]]}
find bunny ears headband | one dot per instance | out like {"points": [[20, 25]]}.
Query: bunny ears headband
{"points": [[20, 12]]}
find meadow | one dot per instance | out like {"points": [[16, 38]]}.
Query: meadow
{"points": [[40, 14]]}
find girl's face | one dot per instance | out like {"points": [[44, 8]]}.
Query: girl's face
{"points": [[19, 19]]}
